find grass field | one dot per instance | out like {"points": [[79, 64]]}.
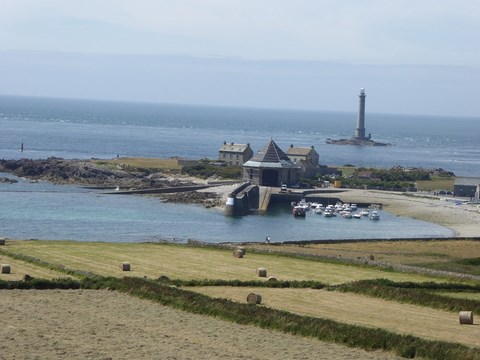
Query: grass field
{"points": [[436, 183], [359, 310], [182, 262], [436, 254], [20, 268], [142, 163]]}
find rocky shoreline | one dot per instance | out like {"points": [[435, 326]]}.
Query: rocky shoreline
{"points": [[91, 173]]}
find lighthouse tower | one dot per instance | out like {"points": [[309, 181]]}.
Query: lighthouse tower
{"points": [[360, 130]]}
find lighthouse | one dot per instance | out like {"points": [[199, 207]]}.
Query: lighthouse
{"points": [[359, 137], [360, 130]]}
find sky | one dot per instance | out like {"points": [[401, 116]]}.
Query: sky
{"points": [[424, 48]]}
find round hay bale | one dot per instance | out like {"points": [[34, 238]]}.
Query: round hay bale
{"points": [[6, 269], [272, 278], [238, 254], [2, 241], [466, 317], [241, 249], [164, 278], [125, 266], [253, 298], [262, 272]]}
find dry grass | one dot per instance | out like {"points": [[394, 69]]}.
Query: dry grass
{"points": [[361, 310], [436, 183], [183, 262], [19, 269], [108, 325], [144, 163], [395, 252]]}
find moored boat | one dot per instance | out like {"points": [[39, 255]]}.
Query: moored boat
{"points": [[298, 211], [364, 213]]}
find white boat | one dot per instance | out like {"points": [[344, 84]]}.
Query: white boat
{"points": [[364, 213], [318, 211], [357, 216], [354, 207], [374, 215], [328, 213], [298, 211], [347, 215]]}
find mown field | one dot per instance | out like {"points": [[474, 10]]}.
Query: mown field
{"points": [[349, 294], [452, 255], [185, 263]]}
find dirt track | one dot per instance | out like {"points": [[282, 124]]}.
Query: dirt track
{"points": [[64, 324]]}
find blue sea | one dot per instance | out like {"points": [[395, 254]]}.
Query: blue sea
{"points": [[101, 129]]}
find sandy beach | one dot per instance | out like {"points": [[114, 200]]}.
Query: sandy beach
{"points": [[464, 220], [109, 325]]}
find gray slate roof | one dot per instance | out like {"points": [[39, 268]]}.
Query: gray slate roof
{"points": [[299, 151], [469, 181], [235, 148], [270, 156]]}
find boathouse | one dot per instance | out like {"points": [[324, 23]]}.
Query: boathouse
{"points": [[466, 187], [271, 167], [235, 154], [307, 158]]}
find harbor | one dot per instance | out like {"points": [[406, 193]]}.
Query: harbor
{"points": [[36, 210]]}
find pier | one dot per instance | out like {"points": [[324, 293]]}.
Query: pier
{"points": [[165, 190], [247, 198]]}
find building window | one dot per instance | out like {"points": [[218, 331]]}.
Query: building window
{"points": [[224, 155]]}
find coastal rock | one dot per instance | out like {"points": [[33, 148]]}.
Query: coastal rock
{"points": [[86, 172], [5, 180], [206, 199], [90, 173]]}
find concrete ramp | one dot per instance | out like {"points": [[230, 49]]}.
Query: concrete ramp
{"points": [[265, 196]]}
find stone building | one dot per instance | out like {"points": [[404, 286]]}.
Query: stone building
{"points": [[466, 187], [307, 158], [235, 154], [271, 167]]}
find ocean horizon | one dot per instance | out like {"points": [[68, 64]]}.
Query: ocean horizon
{"points": [[76, 128]]}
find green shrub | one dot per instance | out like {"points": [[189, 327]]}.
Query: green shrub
{"points": [[206, 169]]}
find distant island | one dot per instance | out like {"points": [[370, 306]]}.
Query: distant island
{"points": [[359, 138], [353, 141]]}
